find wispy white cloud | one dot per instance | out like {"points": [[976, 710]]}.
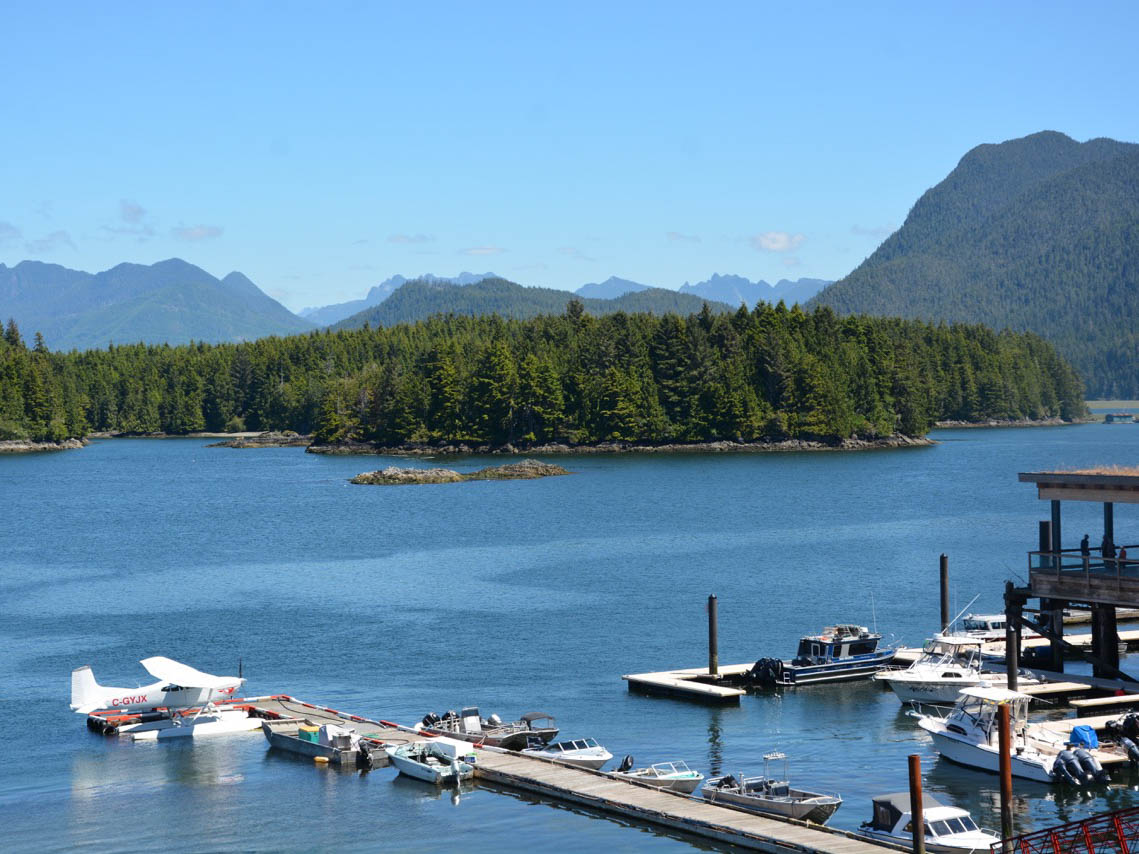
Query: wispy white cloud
{"points": [[878, 231], [50, 243], [197, 232], [482, 250], [575, 253], [777, 241], [410, 238], [9, 234], [677, 237]]}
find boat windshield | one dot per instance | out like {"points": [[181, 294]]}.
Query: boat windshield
{"points": [[585, 744], [953, 825]]}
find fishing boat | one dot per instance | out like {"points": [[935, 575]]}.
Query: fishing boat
{"points": [[338, 745], [582, 752], [469, 725], [968, 735], [771, 795], [675, 776], [436, 761], [948, 830], [837, 654], [989, 627], [947, 664]]}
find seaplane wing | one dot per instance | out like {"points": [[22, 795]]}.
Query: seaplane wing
{"points": [[185, 676]]}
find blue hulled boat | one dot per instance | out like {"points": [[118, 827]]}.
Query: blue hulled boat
{"points": [[837, 654]]}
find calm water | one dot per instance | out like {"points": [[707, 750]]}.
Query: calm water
{"points": [[514, 596]]}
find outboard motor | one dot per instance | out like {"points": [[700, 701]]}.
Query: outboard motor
{"points": [[1067, 768], [1130, 726], [494, 720], [1093, 771], [1131, 748], [626, 763]]}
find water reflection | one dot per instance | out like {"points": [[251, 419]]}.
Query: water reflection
{"points": [[715, 744]]}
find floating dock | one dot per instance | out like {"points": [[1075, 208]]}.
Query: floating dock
{"points": [[693, 683], [602, 792]]}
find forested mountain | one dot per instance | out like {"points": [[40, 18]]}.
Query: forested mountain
{"points": [[421, 299], [611, 288], [739, 290], [771, 372], [329, 314], [168, 302], [1040, 234]]}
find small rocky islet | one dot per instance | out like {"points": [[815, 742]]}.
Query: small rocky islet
{"points": [[522, 470]]}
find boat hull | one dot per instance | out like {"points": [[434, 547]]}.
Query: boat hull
{"points": [[842, 671], [938, 692], [930, 846], [439, 776], [984, 757], [291, 743], [684, 785], [817, 809]]}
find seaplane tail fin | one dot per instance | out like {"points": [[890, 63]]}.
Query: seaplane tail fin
{"points": [[86, 694]]}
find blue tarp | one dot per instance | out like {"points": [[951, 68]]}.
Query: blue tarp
{"points": [[1084, 736]]}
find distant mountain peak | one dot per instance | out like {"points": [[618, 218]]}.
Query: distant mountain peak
{"points": [[329, 314], [611, 288]]}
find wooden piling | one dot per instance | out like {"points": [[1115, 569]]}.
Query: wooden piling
{"points": [[944, 592], [713, 638], [1012, 638], [1006, 775], [916, 813]]}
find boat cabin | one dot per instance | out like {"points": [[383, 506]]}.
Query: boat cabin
{"points": [[976, 712], [952, 651], [835, 643], [566, 746], [892, 816]]}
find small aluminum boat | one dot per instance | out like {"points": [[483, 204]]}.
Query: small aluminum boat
{"points": [[437, 761], [674, 776], [468, 725], [582, 752], [770, 795]]}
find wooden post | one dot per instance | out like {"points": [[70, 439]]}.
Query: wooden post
{"points": [[1057, 542], [1006, 775], [945, 593], [917, 817], [1044, 544], [1012, 639], [713, 639]]}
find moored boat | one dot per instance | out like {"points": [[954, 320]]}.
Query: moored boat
{"points": [[582, 752], [968, 735], [437, 761], [771, 795], [469, 725], [339, 745], [948, 830], [837, 654], [675, 776], [947, 664]]}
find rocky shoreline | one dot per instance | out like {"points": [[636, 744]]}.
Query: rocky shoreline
{"points": [[1024, 422], [270, 439], [523, 470], [26, 446], [723, 447]]}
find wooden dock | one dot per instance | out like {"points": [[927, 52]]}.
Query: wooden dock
{"points": [[604, 793], [692, 683]]}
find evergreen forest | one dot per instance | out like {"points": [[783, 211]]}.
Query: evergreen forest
{"points": [[769, 373]]}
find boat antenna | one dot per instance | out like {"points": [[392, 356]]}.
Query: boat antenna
{"points": [[963, 610], [873, 611]]}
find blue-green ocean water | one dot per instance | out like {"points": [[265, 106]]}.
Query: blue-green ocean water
{"points": [[514, 596]]}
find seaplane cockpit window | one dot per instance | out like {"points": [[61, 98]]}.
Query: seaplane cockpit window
{"points": [[170, 688]]}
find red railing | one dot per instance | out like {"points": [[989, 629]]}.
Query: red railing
{"points": [[1102, 834]]}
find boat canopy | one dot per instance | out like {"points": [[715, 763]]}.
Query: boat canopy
{"points": [[957, 640], [535, 716], [889, 809], [993, 695]]}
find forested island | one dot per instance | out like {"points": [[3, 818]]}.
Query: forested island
{"points": [[767, 374]]}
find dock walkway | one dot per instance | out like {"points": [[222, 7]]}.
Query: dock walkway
{"points": [[602, 792]]}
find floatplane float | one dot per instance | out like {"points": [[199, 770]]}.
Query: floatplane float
{"points": [[180, 704]]}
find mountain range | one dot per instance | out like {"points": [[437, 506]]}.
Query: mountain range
{"points": [[1039, 233], [422, 298], [171, 301], [329, 314]]}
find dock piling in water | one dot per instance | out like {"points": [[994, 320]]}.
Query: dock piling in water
{"points": [[917, 819], [713, 638], [1006, 774]]}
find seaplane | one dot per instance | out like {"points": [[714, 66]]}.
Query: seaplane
{"points": [[180, 704]]}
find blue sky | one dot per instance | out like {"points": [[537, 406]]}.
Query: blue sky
{"points": [[320, 148]]}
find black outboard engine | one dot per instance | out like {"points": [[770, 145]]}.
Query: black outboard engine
{"points": [[1067, 769], [430, 719], [1132, 749], [1093, 771], [626, 763], [766, 671], [1130, 726]]}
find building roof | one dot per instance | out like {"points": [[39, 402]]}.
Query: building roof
{"points": [[1107, 483]]}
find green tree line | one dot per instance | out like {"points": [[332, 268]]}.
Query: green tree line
{"points": [[767, 373]]}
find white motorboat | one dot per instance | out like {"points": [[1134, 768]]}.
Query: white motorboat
{"points": [[947, 664], [771, 795], [968, 735], [988, 627], [948, 830], [582, 752], [437, 761], [675, 776]]}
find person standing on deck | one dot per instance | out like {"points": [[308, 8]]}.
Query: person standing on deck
{"points": [[1122, 557], [1085, 551]]}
